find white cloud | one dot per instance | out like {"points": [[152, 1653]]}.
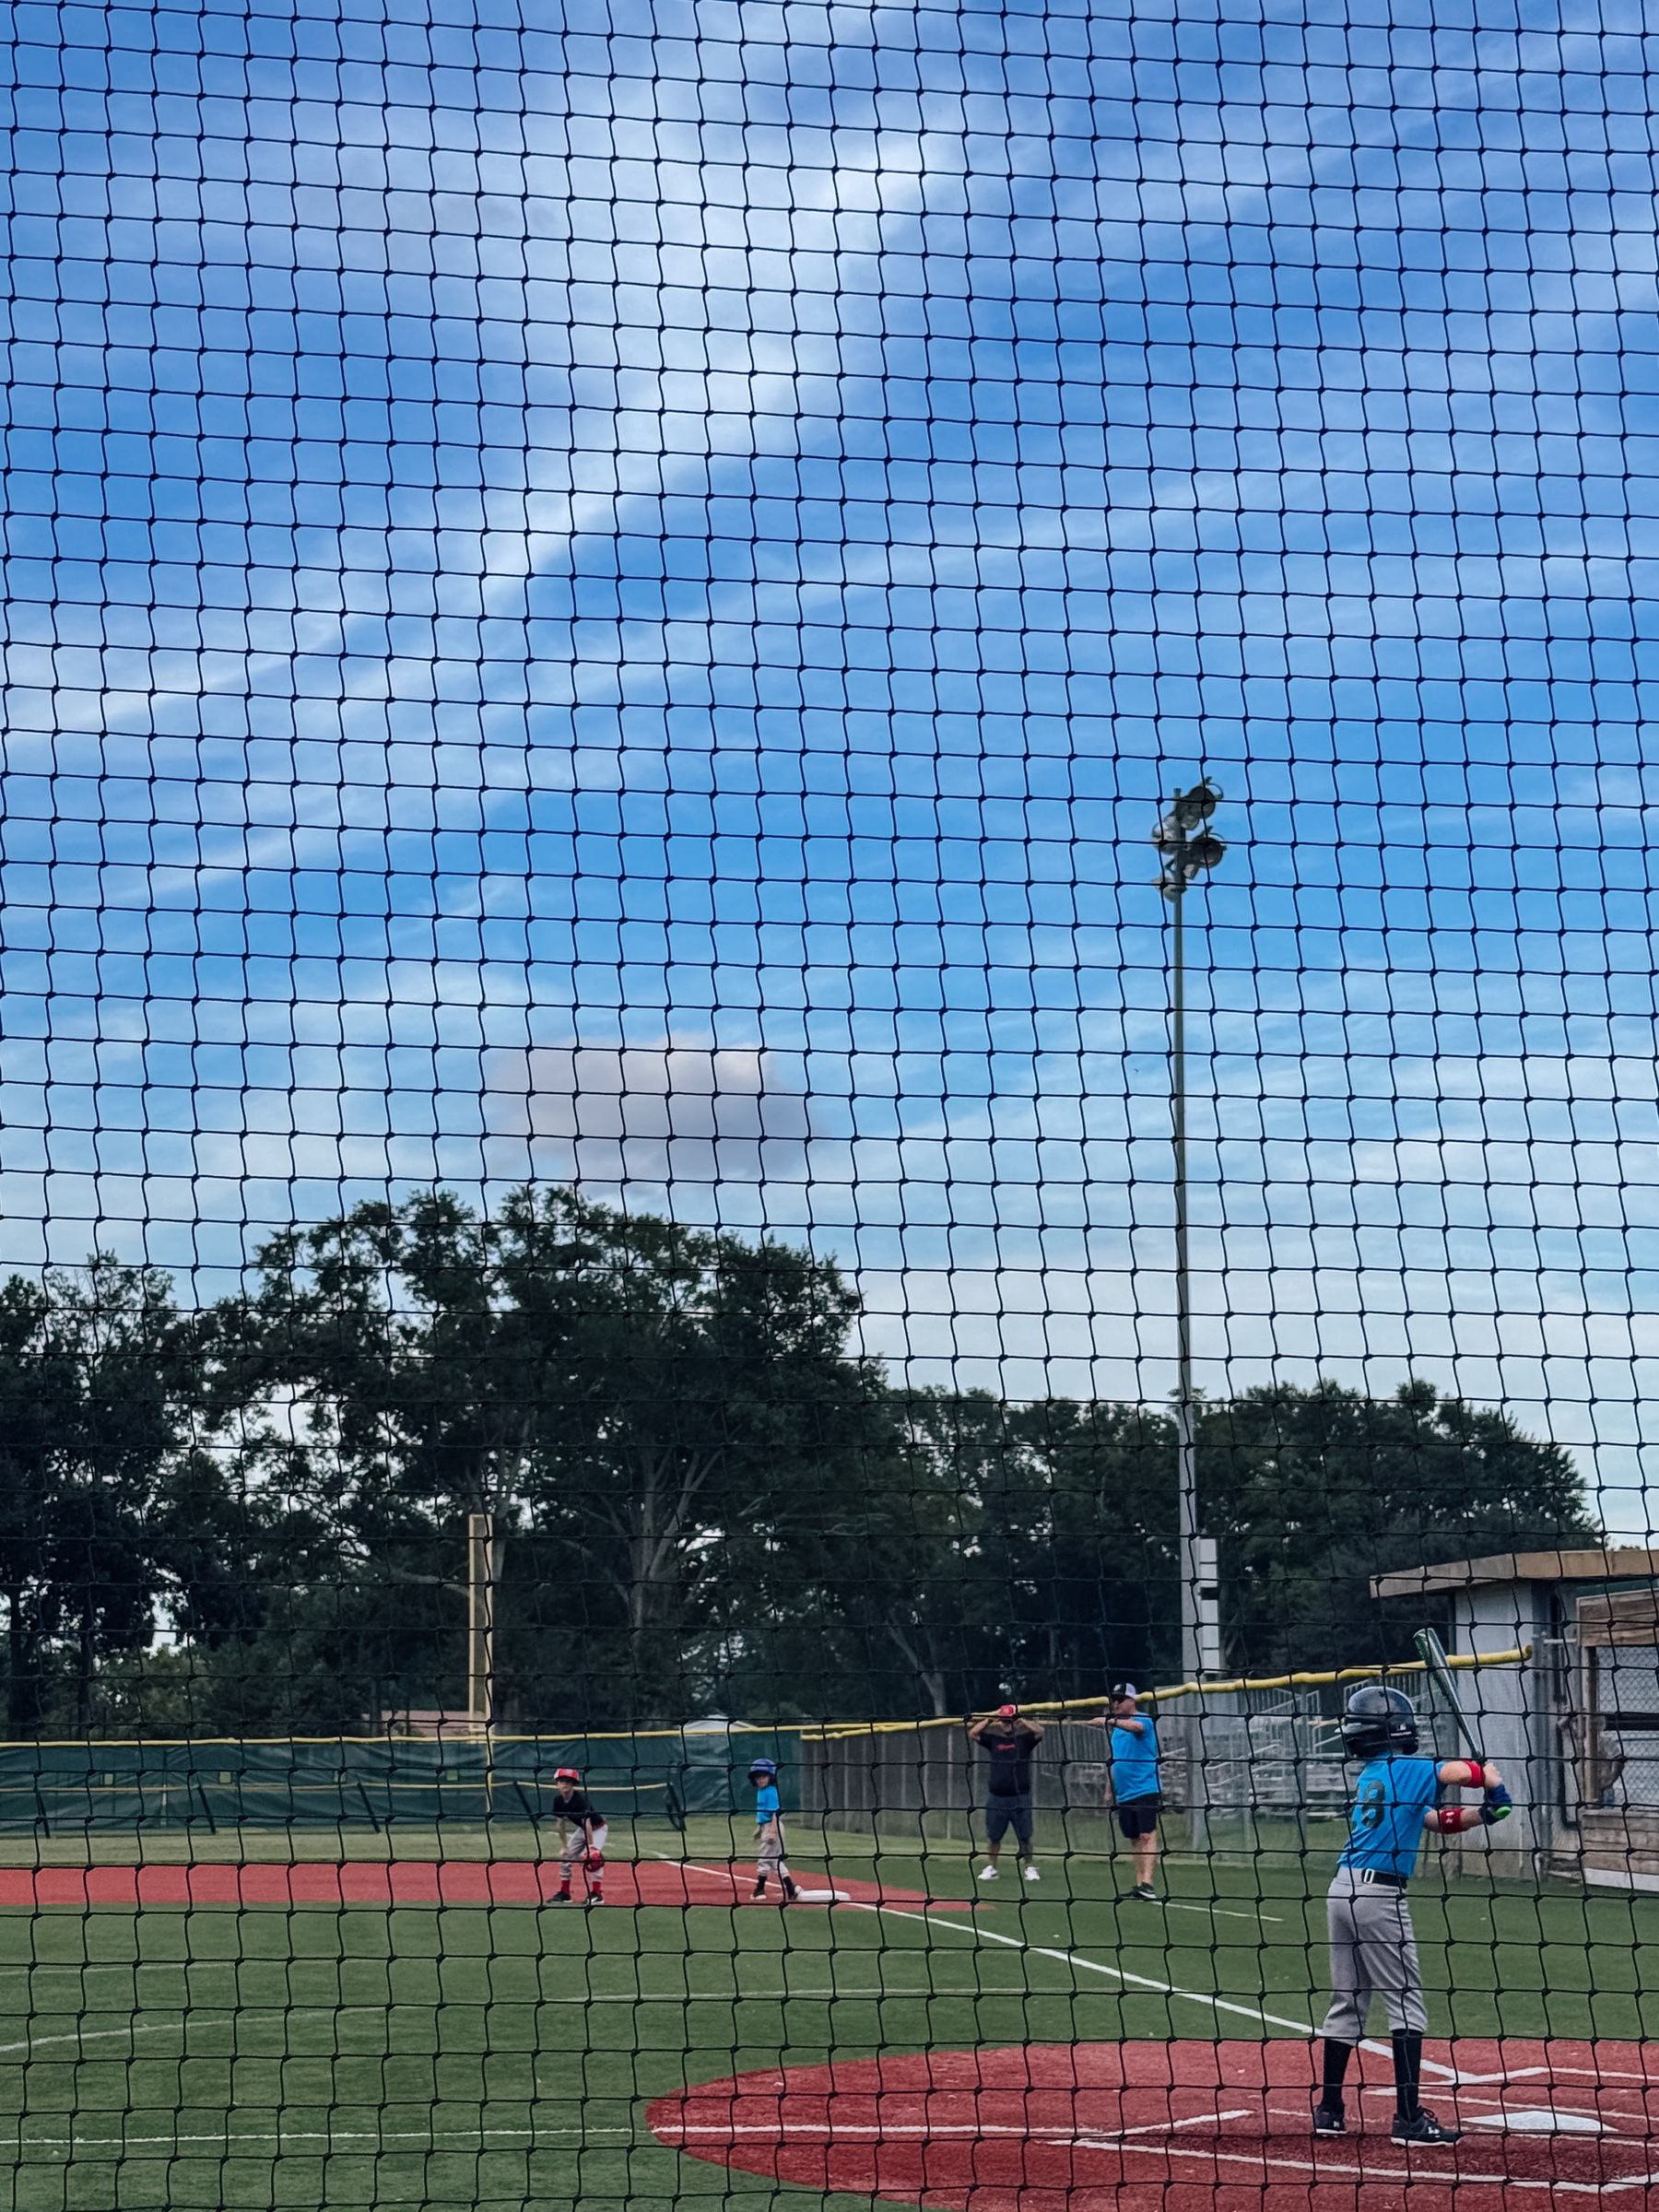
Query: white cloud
{"points": [[646, 1118]]}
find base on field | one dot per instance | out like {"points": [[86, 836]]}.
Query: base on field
{"points": [[1183, 2127]]}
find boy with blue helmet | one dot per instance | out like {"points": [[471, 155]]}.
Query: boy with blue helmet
{"points": [[1373, 1949], [769, 1830]]}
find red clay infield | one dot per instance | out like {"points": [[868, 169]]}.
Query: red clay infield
{"points": [[1185, 2127], [412, 1882]]}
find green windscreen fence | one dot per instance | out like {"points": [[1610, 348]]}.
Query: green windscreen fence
{"points": [[379, 1784]]}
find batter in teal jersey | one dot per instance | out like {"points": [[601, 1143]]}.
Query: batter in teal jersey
{"points": [[1373, 1949]]}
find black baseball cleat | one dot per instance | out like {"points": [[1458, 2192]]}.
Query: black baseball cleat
{"points": [[1422, 2127], [1328, 2121]]}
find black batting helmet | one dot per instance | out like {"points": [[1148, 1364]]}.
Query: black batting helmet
{"points": [[1379, 1720]]}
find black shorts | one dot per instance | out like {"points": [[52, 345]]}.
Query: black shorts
{"points": [[1005, 1812], [1138, 1817]]}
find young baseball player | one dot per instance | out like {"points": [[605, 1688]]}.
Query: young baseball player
{"points": [[1374, 1949], [582, 1834], [769, 1831]]}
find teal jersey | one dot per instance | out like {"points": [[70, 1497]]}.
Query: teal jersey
{"points": [[1391, 1797], [1134, 1762], [766, 1801]]}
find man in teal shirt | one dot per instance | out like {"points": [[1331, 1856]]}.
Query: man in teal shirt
{"points": [[1132, 1737]]}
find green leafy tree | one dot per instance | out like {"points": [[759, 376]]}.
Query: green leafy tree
{"points": [[715, 1415], [1028, 1548], [394, 1370], [1088, 1516], [107, 1508], [1310, 1493], [883, 1603], [646, 1410]]}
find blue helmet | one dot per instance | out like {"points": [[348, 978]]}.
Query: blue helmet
{"points": [[763, 1769]]}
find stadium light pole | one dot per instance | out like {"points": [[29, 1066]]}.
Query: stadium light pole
{"points": [[1189, 853]]}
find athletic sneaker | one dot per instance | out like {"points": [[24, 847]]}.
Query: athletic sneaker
{"points": [[987, 1874], [564, 1897], [1423, 2128], [1144, 1892], [1032, 1875], [1328, 2121], [593, 1900]]}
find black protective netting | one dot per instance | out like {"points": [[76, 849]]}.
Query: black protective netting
{"points": [[611, 1160]]}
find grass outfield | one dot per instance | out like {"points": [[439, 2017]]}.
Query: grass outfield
{"points": [[501, 2056]]}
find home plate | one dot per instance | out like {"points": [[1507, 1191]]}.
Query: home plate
{"points": [[1186, 2127], [1536, 2124]]}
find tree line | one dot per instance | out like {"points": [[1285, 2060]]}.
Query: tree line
{"points": [[250, 1518]]}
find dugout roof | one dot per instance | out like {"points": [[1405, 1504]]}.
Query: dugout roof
{"points": [[1630, 1565]]}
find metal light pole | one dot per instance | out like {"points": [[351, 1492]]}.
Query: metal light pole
{"points": [[1189, 852]]}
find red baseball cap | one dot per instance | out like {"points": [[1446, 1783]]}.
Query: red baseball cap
{"points": [[1006, 1712]]}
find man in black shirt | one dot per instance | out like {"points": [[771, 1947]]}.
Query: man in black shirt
{"points": [[582, 1834], [1009, 1741]]}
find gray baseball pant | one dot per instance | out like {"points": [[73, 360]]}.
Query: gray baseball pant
{"points": [[1373, 1953]]}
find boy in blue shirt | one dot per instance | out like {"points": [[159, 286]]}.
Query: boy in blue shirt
{"points": [[1133, 1740], [1374, 1949], [769, 1830]]}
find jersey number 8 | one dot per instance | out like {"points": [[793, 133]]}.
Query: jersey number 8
{"points": [[1373, 1802]]}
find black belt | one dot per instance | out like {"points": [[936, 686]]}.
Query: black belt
{"points": [[1381, 1881]]}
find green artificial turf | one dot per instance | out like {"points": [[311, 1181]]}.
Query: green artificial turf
{"points": [[503, 2057]]}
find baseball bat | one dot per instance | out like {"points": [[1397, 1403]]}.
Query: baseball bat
{"points": [[1432, 1652]]}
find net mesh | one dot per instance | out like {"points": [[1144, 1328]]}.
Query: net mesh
{"points": [[824, 903]]}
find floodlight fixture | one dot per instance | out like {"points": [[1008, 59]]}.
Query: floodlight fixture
{"points": [[1181, 836]]}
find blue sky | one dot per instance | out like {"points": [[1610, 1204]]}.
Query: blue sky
{"points": [[616, 594]]}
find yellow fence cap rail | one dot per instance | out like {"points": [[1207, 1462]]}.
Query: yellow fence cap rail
{"points": [[835, 1731]]}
